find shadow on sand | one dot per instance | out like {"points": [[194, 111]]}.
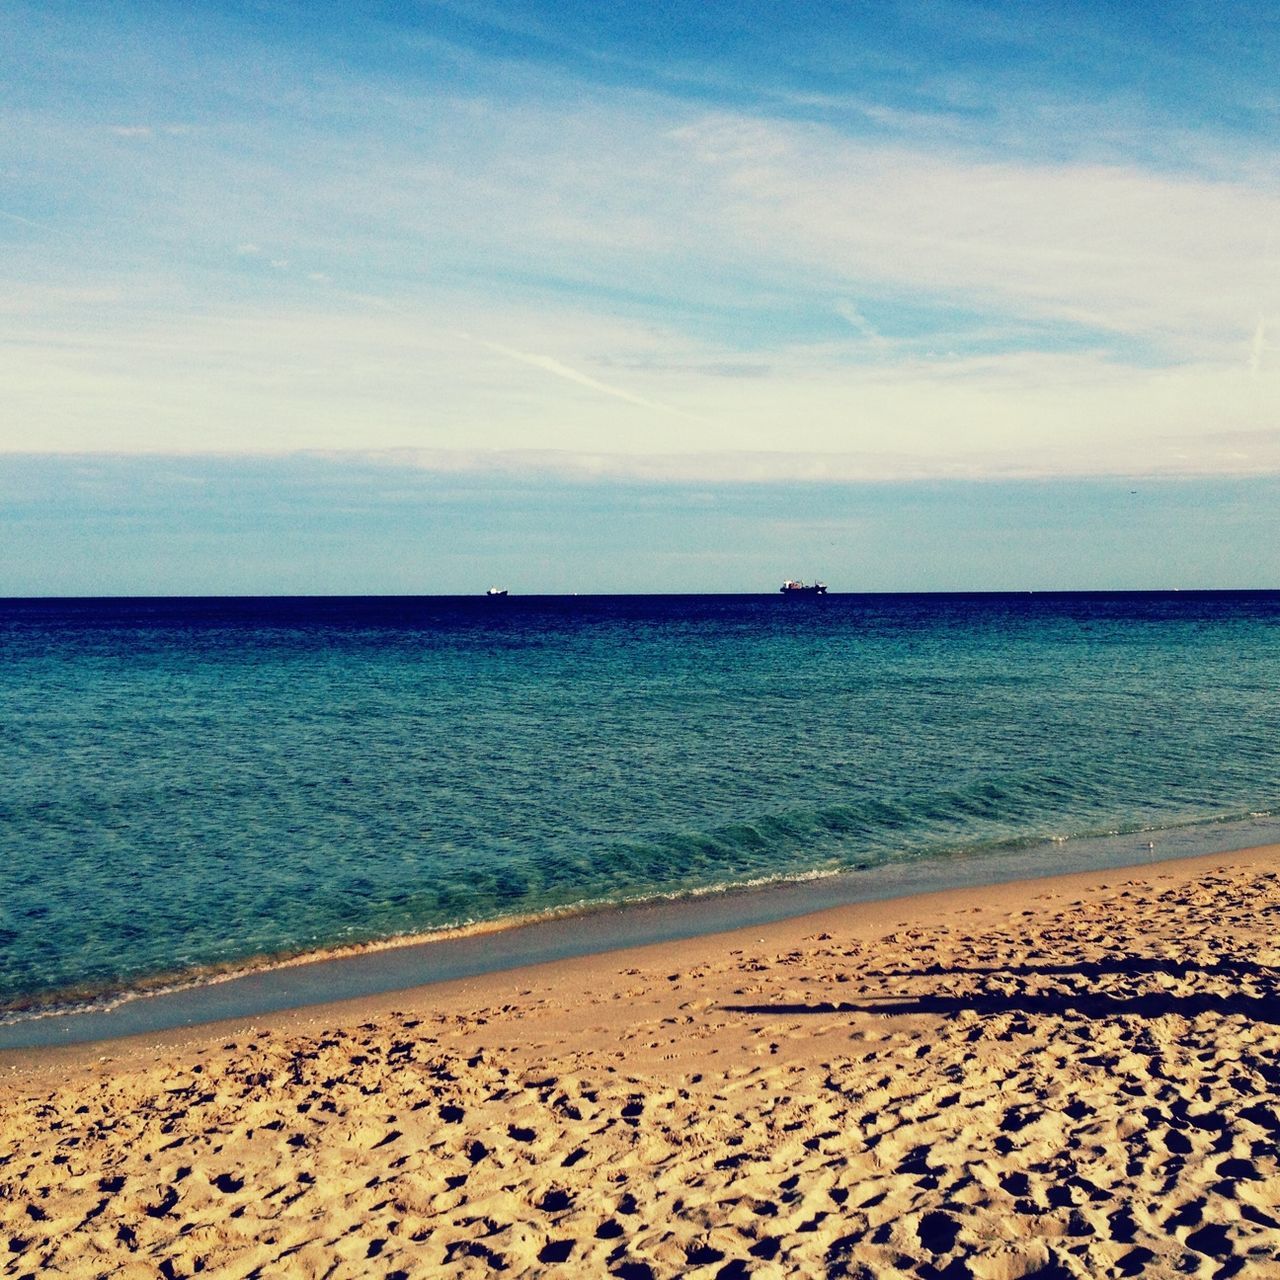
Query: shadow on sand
{"points": [[1262, 1004], [1126, 966]]}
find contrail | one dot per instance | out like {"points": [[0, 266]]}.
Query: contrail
{"points": [[1258, 347], [848, 312], [26, 222], [549, 365]]}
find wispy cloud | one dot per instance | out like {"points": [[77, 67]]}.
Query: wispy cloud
{"points": [[1170, 260]]}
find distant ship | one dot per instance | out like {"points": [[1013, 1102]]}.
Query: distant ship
{"points": [[496, 591], [791, 588]]}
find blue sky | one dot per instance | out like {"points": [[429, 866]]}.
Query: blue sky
{"points": [[930, 249], [322, 525]]}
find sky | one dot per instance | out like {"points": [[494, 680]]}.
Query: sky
{"points": [[417, 296]]}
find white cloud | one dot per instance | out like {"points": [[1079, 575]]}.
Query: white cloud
{"points": [[353, 376], [628, 266]]}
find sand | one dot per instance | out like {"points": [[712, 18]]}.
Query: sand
{"points": [[1070, 1077]]}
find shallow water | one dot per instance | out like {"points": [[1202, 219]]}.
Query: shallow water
{"points": [[193, 783]]}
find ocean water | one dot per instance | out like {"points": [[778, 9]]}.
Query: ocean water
{"points": [[191, 785]]}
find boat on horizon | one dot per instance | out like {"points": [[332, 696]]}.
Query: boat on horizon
{"points": [[496, 591], [791, 588]]}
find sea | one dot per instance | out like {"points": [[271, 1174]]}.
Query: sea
{"points": [[194, 790]]}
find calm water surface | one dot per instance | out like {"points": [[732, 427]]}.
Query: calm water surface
{"points": [[191, 783]]}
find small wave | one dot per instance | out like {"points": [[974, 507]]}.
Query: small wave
{"points": [[59, 1003], [857, 853]]}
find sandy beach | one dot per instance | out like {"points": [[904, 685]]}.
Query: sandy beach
{"points": [[1076, 1076]]}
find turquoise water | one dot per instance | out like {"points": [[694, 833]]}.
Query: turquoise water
{"points": [[191, 784]]}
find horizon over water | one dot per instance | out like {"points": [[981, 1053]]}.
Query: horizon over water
{"points": [[198, 784]]}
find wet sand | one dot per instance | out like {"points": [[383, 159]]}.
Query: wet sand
{"points": [[1065, 1077]]}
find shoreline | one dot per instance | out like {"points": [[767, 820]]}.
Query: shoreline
{"points": [[108, 999], [262, 985], [864, 916], [271, 985]]}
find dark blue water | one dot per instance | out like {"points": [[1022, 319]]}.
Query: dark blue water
{"points": [[191, 784]]}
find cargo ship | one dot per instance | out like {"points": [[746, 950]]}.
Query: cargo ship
{"points": [[793, 588]]}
